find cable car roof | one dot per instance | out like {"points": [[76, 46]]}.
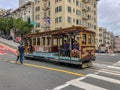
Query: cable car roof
{"points": [[62, 31]]}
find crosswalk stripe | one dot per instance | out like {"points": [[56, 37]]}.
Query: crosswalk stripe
{"points": [[85, 86], [114, 67], [104, 78], [61, 87], [117, 64], [109, 72]]}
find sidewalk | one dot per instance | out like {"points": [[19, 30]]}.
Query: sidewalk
{"points": [[10, 43]]}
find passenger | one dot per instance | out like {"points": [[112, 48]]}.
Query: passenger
{"points": [[64, 49], [75, 49], [30, 48]]}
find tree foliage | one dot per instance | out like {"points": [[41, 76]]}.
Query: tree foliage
{"points": [[15, 24]]}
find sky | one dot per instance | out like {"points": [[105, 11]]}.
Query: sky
{"points": [[7, 4], [108, 13]]}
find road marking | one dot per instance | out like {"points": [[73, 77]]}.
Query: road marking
{"points": [[52, 69], [7, 47], [61, 87], [104, 78], [114, 67], [80, 84], [48, 68], [109, 72], [118, 62], [85, 85]]}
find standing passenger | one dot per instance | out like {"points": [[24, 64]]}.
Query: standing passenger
{"points": [[66, 47]]}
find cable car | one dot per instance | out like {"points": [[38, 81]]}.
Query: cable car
{"points": [[74, 45]]}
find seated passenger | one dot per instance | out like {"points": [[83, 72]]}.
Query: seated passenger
{"points": [[64, 50], [75, 49]]}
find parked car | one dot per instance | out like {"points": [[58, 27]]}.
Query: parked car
{"points": [[102, 51], [9, 38]]}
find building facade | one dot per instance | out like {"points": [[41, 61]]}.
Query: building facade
{"points": [[104, 38], [56, 14], [2, 12], [117, 44], [26, 12], [22, 2]]}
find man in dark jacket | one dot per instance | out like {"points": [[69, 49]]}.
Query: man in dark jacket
{"points": [[21, 52]]}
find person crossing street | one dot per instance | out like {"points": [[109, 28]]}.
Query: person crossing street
{"points": [[21, 52]]}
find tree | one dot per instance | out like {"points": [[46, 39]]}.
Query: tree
{"points": [[22, 26], [9, 24], [6, 24], [2, 24]]}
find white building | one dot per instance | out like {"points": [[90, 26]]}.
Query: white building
{"points": [[22, 2]]}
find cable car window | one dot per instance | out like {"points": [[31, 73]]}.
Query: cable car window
{"points": [[48, 40], [84, 39], [89, 39], [43, 40], [38, 41], [61, 41], [34, 41], [93, 40], [55, 41]]}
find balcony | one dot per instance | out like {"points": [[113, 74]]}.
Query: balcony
{"points": [[86, 9], [86, 1], [45, 8], [84, 17]]}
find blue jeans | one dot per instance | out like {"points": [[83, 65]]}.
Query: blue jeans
{"points": [[21, 57]]}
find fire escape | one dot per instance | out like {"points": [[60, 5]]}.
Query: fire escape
{"points": [[46, 17]]}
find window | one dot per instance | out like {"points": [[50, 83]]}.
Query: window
{"points": [[37, 8], [69, 9], [69, 0], [58, 9], [37, 17], [78, 22], [84, 39], [69, 19], [43, 40], [89, 39], [34, 41], [77, 3], [38, 41], [48, 40], [58, 19], [77, 12], [37, 25], [55, 41], [57, 1]]}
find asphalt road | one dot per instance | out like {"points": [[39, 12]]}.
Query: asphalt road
{"points": [[47, 75]]}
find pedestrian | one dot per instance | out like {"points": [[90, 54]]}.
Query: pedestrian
{"points": [[21, 53], [17, 54]]}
